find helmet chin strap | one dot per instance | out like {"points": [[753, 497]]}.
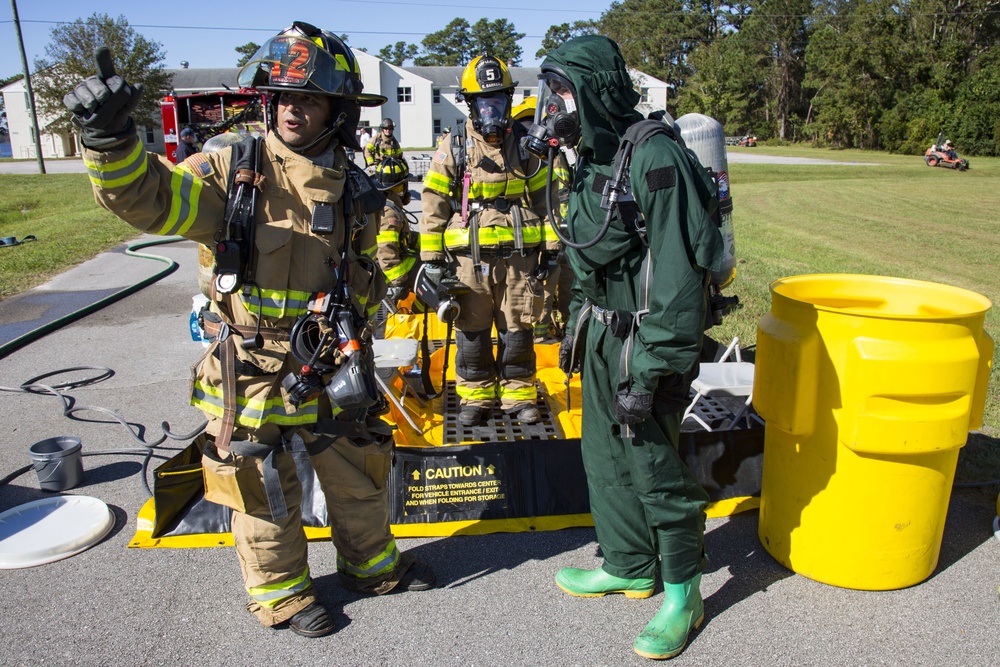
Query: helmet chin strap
{"points": [[326, 134]]}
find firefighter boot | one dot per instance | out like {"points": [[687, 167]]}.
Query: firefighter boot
{"points": [[528, 415], [682, 611], [313, 621], [419, 577], [597, 583], [471, 415]]}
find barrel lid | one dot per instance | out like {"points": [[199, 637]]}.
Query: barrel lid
{"points": [[51, 529]]}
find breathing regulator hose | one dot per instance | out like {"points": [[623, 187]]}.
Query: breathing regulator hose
{"points": [[36, 386], [554, 220]]}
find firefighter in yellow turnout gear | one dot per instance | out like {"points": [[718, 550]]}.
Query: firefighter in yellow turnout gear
{"points": [[398, 245], [312, 238], [483, 220]]}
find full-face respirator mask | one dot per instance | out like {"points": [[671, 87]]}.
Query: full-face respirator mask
{"points": [[557, 123], [490, 116]]}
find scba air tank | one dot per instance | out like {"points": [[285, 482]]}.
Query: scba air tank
{"points": [[703, 135]]}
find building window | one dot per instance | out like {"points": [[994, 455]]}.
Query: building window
{"points": [[437, 96], [437, 126], [150, 138], [404, 94], [644, 93], [526, 93]]}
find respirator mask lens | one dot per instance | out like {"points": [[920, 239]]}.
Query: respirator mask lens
{"points": [[491, 112], [556, 117]]}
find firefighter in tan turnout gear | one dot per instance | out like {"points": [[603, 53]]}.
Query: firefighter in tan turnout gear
{"points": [[483, 208], [294, 264], [383, 145], [398, 245]]}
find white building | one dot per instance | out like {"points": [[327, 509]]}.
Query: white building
{"points": [[421, 101]]}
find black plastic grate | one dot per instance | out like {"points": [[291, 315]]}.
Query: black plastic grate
{"points": [[497, 426], [716, 412]]}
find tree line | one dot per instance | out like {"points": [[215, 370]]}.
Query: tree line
{"points": [[871, 74]]}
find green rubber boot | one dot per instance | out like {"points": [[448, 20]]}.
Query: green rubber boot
{"points": [[597, 583], [682, 610]]}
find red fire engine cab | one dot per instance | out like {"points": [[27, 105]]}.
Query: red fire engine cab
{"points": [[209, 114]]}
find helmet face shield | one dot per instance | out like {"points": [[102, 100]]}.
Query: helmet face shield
{"points": [[293, 62]]}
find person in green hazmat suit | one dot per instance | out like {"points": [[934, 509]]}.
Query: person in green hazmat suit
{"points": [[646, 294]]}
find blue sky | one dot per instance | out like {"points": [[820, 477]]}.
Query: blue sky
{"points": [[206, 33]]}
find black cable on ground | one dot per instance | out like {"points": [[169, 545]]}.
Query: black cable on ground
{"points": [[33, 385]]}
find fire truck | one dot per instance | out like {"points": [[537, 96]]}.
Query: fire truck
{"points": [[209, 114]]}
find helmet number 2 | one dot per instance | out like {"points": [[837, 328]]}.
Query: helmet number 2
{"points": [[293, 71]]}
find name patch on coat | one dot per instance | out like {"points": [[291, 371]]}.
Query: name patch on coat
{"points": [[659, 179]]}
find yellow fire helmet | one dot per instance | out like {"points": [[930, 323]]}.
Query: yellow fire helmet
{"points": [[486, 74], [526, 109]]}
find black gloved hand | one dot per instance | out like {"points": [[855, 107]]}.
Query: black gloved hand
{"points": [[435, 270], [396, 293], [632, 407], [567, 364], [102, 105], [546, 262]]}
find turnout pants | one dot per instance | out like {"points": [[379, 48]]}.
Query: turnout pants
{"points": [[273, 553], [508, 297], [648, 509]]}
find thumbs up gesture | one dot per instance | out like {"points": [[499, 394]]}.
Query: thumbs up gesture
{"points": [[102, 105]]}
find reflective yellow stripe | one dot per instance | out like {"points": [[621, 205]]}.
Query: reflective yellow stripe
{"points": [[370, 251], [438, 182], [269, 595], [391, 236], [185, 190], [432, 242], [512, 189], [537, 182], [384, 563], [491, 236], [253, 413], [120, 172], [276, 303], [549, 234], [400, 269], [342, 63], [524, 394], [476, 394]]}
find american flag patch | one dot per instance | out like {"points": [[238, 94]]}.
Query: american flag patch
{"points": [[199, 165], [440, 157]]}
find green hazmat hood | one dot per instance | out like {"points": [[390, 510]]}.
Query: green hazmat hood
{"points": [[605, 96]]}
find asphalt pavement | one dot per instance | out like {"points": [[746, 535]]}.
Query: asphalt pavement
{"points": [[496, 603]]}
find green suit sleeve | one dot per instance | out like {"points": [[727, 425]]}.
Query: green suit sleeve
{"points": [[684, 243]]}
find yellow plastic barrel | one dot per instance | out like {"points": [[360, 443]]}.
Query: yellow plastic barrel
{"points": [[869, 386]]}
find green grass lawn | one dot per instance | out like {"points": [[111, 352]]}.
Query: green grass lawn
{"points": [[893, 217], [59, 210]]}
